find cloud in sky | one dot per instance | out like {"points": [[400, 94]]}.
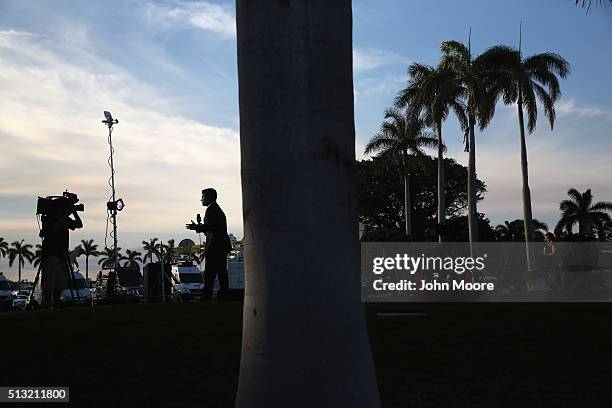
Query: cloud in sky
{"points": [[367, 59], [5, 34], [52, 139], [381, 86], [200, 14], [569, 107], [377, 74]]}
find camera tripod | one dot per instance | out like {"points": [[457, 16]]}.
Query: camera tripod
{"points": [[70, 279]]}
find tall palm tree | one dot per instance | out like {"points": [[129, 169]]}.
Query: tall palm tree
{"points": [[168, 250], [132, 258], [22, 253], [427, 94], [3, 247], [401, 135], [579, 209], [514, 230], [297, 149], [503, 232], [150, 248], [88, 248], [461, 74], [523, 81], [107, 257]]}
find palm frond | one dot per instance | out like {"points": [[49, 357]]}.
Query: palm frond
{"points": [[380, 142], [429, 141], [587, 198], [574, 194], [454, 50], [601, 206], [568, 206], [547, 102], [530, 105], [548, 62], [586, 4]]}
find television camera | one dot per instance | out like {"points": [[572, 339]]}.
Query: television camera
{"points": [[66, 203]]}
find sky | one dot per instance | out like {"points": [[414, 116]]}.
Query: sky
{"points": [[167, 70]]}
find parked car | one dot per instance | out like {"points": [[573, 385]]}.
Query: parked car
{"points": [[79, 294], [235, 269], [6, 296], [20, 300], [187, 281], [80, 291]]}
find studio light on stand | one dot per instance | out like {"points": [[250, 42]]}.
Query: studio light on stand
{"points": [[113, 205]]}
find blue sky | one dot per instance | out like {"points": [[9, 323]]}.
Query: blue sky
{"points": [[167, 70]]}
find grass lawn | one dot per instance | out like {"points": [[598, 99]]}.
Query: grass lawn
{"points": [[184, 355]]}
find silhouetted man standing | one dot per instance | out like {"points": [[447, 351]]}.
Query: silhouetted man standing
{"points": [[217, 244]]}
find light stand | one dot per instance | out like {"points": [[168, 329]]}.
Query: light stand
{"points": [[199, 220], [163, 276], [200, 251], [109, 122]]}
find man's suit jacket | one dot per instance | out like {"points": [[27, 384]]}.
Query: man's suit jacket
{"points": [[215, 228]]}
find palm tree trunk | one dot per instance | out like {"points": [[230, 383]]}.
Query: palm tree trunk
{"points": [[87, 269], [441, 194], [304, 340], [582, 226], [407, 203], [19, 260], [408, 206], [527, 216], [472, 210]]}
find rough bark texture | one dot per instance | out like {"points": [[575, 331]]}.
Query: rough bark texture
{"points": [[305, 342]]}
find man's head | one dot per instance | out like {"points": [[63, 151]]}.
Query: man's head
{"points": [[209, 196]]}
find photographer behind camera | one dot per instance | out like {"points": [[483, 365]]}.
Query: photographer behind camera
{"points": [[56, 223]]}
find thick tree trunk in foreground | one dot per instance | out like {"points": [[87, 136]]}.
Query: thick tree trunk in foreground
{"points": [[304, 341]]}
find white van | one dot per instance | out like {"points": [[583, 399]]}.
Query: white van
{"points": [[187, 281], [235, 270], [80, 290], [6, 296]]}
